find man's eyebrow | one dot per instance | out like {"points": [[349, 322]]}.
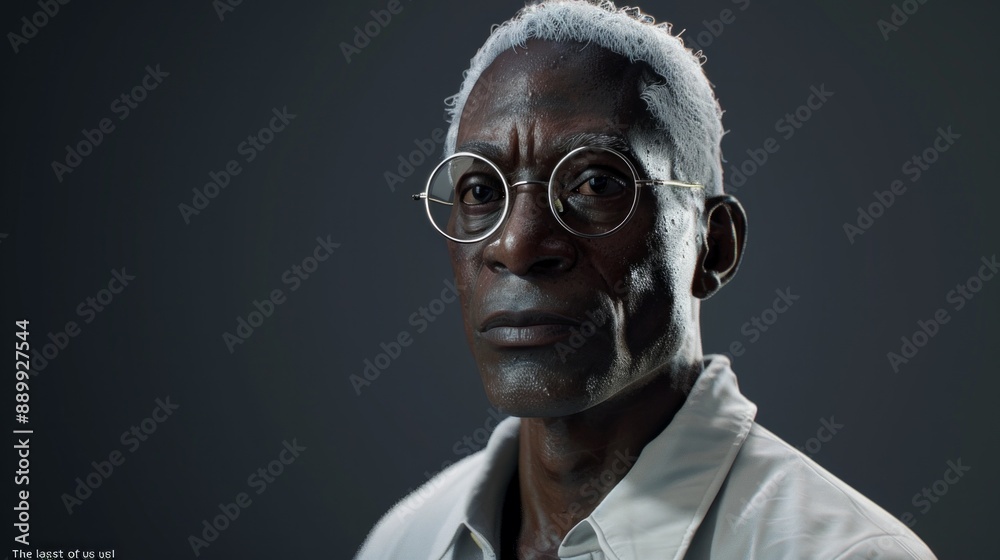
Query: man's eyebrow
{"points": [[488, 150]]}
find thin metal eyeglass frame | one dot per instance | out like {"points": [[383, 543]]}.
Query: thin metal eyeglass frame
{"points": [[510, 187]]}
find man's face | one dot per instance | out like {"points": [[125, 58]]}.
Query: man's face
{"points": [[559, 323]]}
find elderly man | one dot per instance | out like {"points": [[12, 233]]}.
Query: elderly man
{"points": [[582, 201]]}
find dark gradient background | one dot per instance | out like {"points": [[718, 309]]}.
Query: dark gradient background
{"points": [[324, 176]]}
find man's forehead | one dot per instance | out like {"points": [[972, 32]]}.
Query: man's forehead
{"points": [[596, 136], [540, 67], [563, 94]]}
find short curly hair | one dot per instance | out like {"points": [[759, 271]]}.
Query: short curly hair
{"points": [[679, 97]]}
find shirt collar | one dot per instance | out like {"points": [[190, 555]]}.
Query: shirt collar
{"points": [[654, 511], [478, 511], [657, 507]]}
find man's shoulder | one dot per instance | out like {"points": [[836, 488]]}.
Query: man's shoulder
{"points": [[782, 504], [414, 524]]}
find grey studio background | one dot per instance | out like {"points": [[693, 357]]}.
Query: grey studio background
{"points": [[199, 83]]}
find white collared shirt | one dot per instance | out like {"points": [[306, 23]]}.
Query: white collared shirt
{"points": [[713, 484]]}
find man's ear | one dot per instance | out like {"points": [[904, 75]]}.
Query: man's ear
{"points": [[725, 238]]}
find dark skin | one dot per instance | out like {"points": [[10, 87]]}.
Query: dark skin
{"points": [[526, 288]]}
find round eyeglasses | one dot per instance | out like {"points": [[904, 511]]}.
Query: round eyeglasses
{"points": [[592, 192]]}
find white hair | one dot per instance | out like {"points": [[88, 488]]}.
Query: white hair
{"points": [[679, 98]]}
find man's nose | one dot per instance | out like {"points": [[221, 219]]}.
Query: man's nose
{"points": [[531, 241]]}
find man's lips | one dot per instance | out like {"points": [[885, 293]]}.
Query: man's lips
{"points": [[526, 328]]}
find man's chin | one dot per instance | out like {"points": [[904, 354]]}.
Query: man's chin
{"points": [[528, 389]]}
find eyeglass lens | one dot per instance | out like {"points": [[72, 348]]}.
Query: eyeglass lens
{"points": [[592, 190]]}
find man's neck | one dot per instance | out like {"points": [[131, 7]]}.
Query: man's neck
{"points": [[567, 465]]}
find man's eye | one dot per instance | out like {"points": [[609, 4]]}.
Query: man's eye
{"points": [[474, 194], [600, 185]]}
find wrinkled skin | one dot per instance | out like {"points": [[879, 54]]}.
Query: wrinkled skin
{"points": [[529, 287]]}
